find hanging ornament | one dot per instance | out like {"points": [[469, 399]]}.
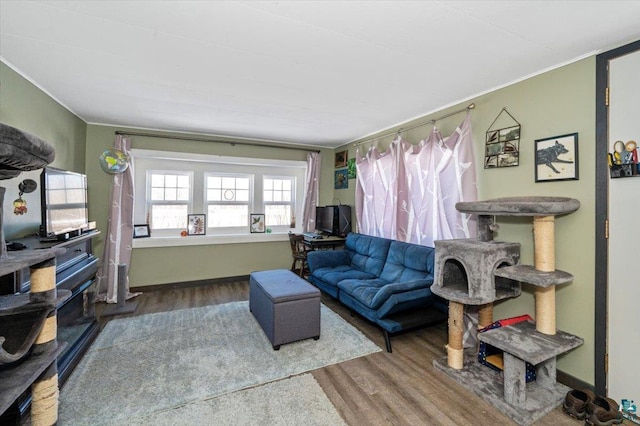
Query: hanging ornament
{"points": [[20, 205], [114, 161]]}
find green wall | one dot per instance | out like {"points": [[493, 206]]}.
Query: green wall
{"points": [[162, 265], [26, 107], [555, 103]]}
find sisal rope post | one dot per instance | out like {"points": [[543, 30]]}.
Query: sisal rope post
{"points": [[45, 391], [455, 357], [485, 315], [49, 331], [44, 405], [544, 257], [43, 282]]}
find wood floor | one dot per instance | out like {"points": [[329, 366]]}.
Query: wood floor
{"points": [[401, 388]]}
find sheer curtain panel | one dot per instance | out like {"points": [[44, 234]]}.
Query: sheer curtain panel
{"points": [[117, 242], [311, 192], [409, 192]]}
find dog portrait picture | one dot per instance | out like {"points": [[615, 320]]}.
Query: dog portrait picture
{"points": [[557, 158]]}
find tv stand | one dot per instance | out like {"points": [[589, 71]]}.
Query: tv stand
{"points": [[76, 268]]}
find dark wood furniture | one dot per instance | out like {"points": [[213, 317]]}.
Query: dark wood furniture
{"points": [[298, 253], [324, 243]]}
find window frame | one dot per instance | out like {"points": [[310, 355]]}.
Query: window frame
{"points": [[291, 203], [200, 164], [150, 203], [249, 203]]}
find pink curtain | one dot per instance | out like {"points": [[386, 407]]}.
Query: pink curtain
{"points": [[409, 192], [117, 242], [311, 192]]}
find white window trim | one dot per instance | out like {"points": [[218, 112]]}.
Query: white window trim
{"points": [[175, 240], [232, 229], [279, 203]]}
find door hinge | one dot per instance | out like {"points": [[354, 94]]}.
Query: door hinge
{"points": [[606, 96], [606, 363], [606, 229]]}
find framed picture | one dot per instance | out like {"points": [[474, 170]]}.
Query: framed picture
{"points": [[257, 223], [341, 159], [196, 224], [502, 148], [341, 179], [351, 167], [557, 158], [141, 231]]}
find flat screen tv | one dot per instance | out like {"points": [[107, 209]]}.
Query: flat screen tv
{"points": [[334, 220], [64, 203], [324, 220]]}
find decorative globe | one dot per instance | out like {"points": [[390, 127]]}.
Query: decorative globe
{"points": [[114, 161]]}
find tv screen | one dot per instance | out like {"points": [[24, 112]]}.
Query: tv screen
{"points": [[324, 219], [64, 202]]}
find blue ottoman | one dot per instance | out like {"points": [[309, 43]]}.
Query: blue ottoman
{"points": [[286, 306]]}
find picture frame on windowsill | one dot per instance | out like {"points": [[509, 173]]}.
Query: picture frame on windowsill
{"points": [[257, 225], [141, 231], [196, 224]]}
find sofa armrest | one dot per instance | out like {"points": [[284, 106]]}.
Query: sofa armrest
{"points": [[388, 290], [327, 259]]}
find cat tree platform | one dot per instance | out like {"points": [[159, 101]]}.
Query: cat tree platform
{"points": [[482, 271]]}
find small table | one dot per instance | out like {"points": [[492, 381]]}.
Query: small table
{"points": [[324, 243]]}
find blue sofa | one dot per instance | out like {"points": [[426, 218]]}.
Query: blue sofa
{"points": [[387, 282]]}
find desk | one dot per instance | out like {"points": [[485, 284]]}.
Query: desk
{"points": [[324, 243]]}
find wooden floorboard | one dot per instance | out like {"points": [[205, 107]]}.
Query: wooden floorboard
{"points": [[399, 388]]}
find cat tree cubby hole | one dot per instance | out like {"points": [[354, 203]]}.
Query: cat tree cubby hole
{"points": [[465, 271], [457, 280]]}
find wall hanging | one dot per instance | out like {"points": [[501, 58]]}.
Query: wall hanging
{"points": [[341, 159], [341, 181], [502, 143], [557, 158]]}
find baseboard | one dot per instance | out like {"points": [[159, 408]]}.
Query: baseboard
{"points": [[187, 284], [573, 382]]}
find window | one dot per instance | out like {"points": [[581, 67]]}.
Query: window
{"points": [[279, 201], [227, 189], [228, 200], [169, 199]]}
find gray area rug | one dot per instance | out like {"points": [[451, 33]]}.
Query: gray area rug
{"points": [[141, 365], [298, 400]]}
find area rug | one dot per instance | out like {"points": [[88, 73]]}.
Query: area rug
{"points": [[141, 365], [298, 400]]}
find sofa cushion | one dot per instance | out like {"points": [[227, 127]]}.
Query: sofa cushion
{"points": [[364, 291], [369, 253], [408, 262], [334, 275]]}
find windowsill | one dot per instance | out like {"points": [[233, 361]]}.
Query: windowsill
{"points": [[201, 240]]}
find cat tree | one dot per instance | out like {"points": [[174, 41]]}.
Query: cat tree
{"points": [[28, 324], [481, 271]]}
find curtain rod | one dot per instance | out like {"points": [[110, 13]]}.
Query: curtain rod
{"points": [[432, 122], [194, 139]]}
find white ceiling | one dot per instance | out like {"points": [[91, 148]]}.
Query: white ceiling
{"points": [[311, 72]]}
